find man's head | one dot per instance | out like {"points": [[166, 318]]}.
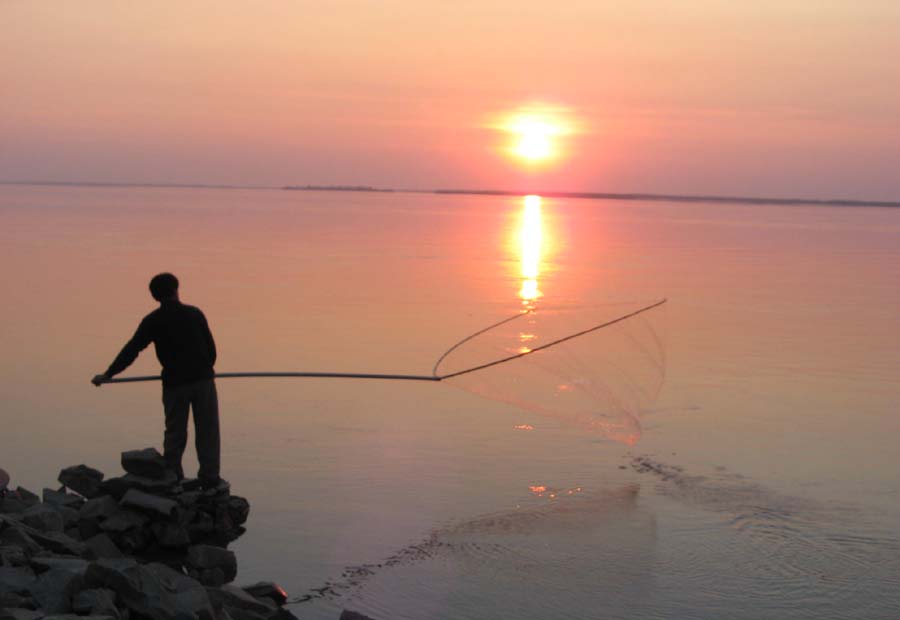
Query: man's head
{"points": [[164, 286]]}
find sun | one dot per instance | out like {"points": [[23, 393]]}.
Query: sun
{"points": [[533, 138], [536, 132]]}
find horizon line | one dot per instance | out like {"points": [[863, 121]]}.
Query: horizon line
{"points": [[627, 196]]}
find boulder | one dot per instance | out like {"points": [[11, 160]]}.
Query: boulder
{"points": [[27, 497], [118, 487], [194, 599], [69, 515], [99, 508], [96, 601], [152, 504], [73, 565], [11, 599], [267, 589], [236, 613], [42, 517], [170, 534], [238, 509], [201, 526], [57, 542], [166, 594], [88, 528], [20, 614], [76, 617], [210, 577], [61, 498], [10, 505], [353, 615], [74, 533], [231, 597], [16, 536], [16, 580], [204, 557], [102, 546], [53, 590], [189, 498], [192, 484], [133, 541], [18, 501], [12, 555], [82, 479], [147, 462], [224, 526], [109, 573], [124, 520]]}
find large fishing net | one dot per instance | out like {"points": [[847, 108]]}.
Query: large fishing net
{"points": [[595, 367], [598, 368]]}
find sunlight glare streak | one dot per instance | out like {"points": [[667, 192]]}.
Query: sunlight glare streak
{"points": [[530, 238]]}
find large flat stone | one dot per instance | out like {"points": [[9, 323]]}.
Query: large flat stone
{"points": [[147, 503], [82, 479], [147, 462]]}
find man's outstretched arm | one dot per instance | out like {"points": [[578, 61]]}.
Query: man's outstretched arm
{"points": [[127, 355]]}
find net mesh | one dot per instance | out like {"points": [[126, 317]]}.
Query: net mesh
{"points": [[597, 368]]}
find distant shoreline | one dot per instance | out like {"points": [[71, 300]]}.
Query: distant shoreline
{"points": [[838, 202], [336, 188], [748, 200]]}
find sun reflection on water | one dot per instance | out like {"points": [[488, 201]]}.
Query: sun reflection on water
{"points": [[530, 243]]}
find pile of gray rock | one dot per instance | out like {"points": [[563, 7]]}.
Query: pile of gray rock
{"points": [[141, 546]]}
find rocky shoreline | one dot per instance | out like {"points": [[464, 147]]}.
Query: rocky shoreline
{"points": [[141, 546]]}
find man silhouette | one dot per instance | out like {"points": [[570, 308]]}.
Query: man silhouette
{"points": [[186, 349]]}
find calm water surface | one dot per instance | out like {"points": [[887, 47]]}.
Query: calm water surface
{"points": [[768, 477]]}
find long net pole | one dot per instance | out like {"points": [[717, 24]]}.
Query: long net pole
{"points": [[322, 375], [433, 377]]}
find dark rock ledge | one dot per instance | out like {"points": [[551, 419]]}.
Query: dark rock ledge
{"points": [[141, 546]]}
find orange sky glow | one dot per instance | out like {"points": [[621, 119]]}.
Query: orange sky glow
{"points": [[701, 96]]}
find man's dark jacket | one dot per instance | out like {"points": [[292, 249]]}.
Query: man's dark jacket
{"points": [[184, 344]]}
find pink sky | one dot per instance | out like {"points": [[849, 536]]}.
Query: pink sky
{"points": [[775, 98]]}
